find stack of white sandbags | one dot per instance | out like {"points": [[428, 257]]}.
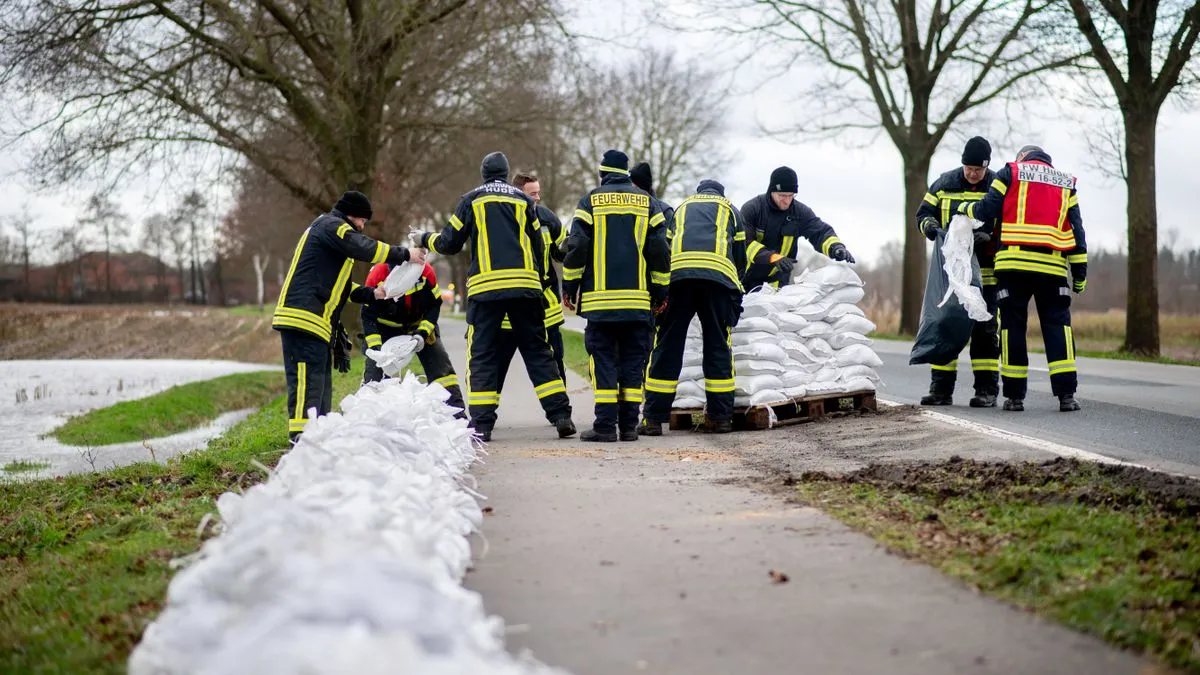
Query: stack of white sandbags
{"points": [[807, 338], [349, 559]]}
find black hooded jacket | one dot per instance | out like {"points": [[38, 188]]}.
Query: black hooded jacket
{"points": [[708, 242], [777, 230]]}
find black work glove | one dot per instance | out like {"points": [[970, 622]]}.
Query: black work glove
{"points": [[424, 239], [1079, 277], [785, 267], [981, 238], [341, 350], [839, 252], [930, 227]]}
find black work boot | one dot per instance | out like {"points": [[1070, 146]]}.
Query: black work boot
{"points": [[722, 426], [937, 399], [983, 400], [629, 434], [484, 433], [1067, 403], [649, 428], [565, 427], [1014, 404], [593, 436]]}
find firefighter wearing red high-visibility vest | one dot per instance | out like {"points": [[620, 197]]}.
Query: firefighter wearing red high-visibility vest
{"points": [[1041, 244]]}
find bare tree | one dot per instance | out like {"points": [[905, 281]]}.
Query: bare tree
{"points": [[1130, 41], [334, 80], [656, 108], [156, 240], [912, 69], [103, 219]]}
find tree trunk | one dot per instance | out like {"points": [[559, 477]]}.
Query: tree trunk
{"points": [[912, 288], [1141, 318], [260, 267]]}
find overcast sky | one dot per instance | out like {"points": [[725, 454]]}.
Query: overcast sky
{"points": [[857, 190]]}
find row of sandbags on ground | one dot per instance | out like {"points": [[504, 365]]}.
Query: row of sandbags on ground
{"points": [[807, 338], [348, 559]]}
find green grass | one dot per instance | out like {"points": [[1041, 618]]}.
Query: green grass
{"points": [[575, 356], [251, 310], [25, 466], [180, 408], [84, 558], [1112, 551]]}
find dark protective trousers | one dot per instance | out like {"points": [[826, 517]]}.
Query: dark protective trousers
{"points": [[308, 365], [484, 365], [718, 308], [617, 359], [1053, 298], [985, 356], [507, 348], [434, 361]]}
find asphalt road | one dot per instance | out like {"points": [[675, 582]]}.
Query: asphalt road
{"points": [[1146, 413]]}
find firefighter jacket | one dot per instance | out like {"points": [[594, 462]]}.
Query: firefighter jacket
{"points": [[617, 252], [506, 242], [777, 230], [318, 280], [416, 313], [553, 237], [708, 242], [941, 203], [1041, 229]]}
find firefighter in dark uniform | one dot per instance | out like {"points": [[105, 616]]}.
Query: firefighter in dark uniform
{"points": [[505, 278], [616, 269], [708, 256], [957, 186], [1041, 240], [308, 314], [775, 220], [416, 313], [643, 178], [554, 235]]}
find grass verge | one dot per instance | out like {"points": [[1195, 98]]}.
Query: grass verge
{"points": [[1112, 551], [575, 356], [177, 409], [84, 558]]}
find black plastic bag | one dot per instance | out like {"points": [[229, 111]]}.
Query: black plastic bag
{"points": [[944, 330]]}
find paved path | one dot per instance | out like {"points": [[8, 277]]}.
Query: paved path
{"points": [[1140, 412], [655, 558]]}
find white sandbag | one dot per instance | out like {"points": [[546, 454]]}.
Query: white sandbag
{"points": [[854, 324], [759, 324], [832, 276], [827, 374], [858, 384], [688, 403], [851, 372], [790, 322], [800, 294], [816, 329], [838, 311], [807, 257], [752, 384], [813, 312], [758, 367], [845, 294], [768, 396], [960, 266], [401, 279], [857, 355], [799, 391], [761, 351], [819, 348], [693, 357], [799, 352], [395, 354], [825, 388], [689, 389], [691, 373], [796, 378], [741, 401], [846, 339], [764, 301], [740, 339]]}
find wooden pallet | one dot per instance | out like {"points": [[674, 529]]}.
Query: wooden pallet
{"points": [[792, 411]]}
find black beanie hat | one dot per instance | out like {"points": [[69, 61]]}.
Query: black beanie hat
{"points": [[977, 153], [784, 179], [354, 204], [710, 184], [614, 161], [494, 166], [641, 176]]}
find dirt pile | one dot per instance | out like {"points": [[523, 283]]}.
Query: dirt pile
{"points": [[43, 331]]}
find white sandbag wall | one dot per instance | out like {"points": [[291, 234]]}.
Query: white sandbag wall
{"points": [[807, 338], [348, 559]]}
